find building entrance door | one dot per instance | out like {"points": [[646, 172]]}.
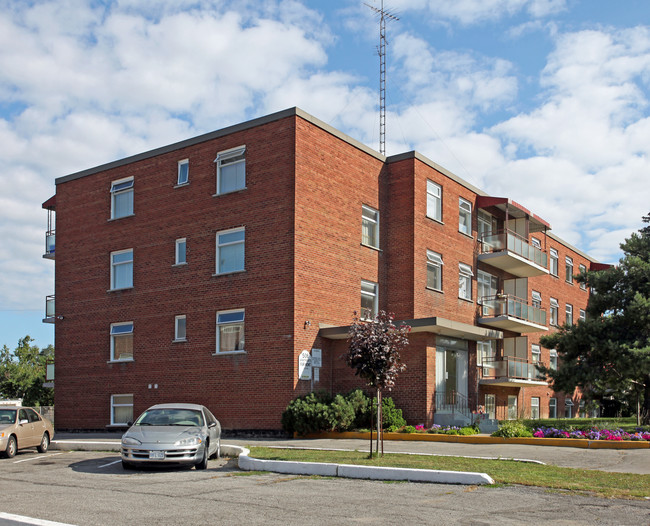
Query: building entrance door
{"points": [[451, 374]]}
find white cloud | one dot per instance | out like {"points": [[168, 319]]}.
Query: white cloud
{"points": [[469, 12]]}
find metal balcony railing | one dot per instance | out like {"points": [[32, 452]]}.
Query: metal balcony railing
{"points": [[509, 305], [507, 240], [511, 368], [50, 239]]}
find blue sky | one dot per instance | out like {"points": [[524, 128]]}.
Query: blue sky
{"points": [[542, 101]]}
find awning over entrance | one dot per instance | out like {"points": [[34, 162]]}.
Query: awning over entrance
{"points": [[435, 325]]}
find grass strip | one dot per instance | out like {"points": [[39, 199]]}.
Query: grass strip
{"points": [[601, 483]]}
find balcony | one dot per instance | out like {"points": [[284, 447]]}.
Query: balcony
{"points": [[50, 316], [508, 251], [510, 372], [507, 312], [50, 238]]}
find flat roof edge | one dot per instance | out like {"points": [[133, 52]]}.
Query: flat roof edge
{"points": [[184, 143], [413, 154]]}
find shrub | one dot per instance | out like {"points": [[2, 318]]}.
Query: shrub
{"points": [[470, 430], [407, 429], [308, 414], [317, 412], [342, 413], [511, 429]]}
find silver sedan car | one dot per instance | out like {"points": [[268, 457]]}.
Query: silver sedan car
{"points": [[172, 434]]}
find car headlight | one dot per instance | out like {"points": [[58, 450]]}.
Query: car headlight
{"points": [[189, 441], [129, 441]]}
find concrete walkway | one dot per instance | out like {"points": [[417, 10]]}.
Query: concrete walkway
{"points": [[614, 460]]}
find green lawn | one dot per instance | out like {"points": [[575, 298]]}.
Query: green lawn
{"points": [[616, 485]]}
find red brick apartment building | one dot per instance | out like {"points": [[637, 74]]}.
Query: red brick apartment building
{"points": [[200, 271]]}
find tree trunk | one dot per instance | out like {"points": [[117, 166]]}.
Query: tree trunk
{"points": [[645, 411]]}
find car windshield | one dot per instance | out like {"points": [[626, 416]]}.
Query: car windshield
{"points": [[170, 417], [7, 416]]}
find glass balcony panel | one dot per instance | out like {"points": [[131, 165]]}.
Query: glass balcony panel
{"points": [[508, 240], [50, 238], [49, 307]]}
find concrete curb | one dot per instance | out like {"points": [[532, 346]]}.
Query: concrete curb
{"points": [[247, 463], [85, 445]]}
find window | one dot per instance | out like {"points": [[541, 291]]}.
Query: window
{"points": [[464, 216], [536, 242], [582, 316], [554, 262], [434, 201], [183, 172], [488, 285], [486, 355], [122, 341], [552, 408], [583, 271], [122, 269], [537, 299], [491, 405], [230, 331], [486, 223], [465, 281], [121, 409], [536, 353], [230, 251], [512, 407], [231, 170], [553, 359], [434, 270], [180, 328], [569, 314], [534, 408], [181, 251], [122, 198], [568, 408], [554, 312], [569, 269], [368, 300], [369, 226]]}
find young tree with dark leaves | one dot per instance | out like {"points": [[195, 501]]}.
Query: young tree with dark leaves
{"points": [[609, 352], [374, 348]]}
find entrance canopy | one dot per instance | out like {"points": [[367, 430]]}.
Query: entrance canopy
{"points": [[435, 325]]}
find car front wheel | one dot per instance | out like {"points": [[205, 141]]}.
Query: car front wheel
{"points": [[45, 443], [203, 464], [12, 447]]}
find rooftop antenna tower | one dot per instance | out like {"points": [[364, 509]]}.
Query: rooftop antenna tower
{"points": [[383, 15]]}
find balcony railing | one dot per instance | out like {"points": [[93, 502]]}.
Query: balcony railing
{"points": [[511, 368], [509, 240], [50, 238], [511, 306], [49, 309]]}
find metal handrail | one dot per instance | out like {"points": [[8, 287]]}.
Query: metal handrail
{"points": [[508, 240], [511, 367], [510, 305]]}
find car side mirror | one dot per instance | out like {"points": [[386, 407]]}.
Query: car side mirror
{"points": [[23, 422], [213, 424]]}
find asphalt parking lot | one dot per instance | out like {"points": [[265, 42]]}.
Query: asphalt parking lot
{"points": [[91, 488]]}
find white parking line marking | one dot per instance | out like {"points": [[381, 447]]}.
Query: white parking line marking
{"points": [[110, 464], [36, 458], [30, 520]]}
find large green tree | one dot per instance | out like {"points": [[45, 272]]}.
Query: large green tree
{"points": [[609, 353], [23, 371]]}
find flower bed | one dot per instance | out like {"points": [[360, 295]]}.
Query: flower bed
{"points": [[436, 429], [592, 434]]}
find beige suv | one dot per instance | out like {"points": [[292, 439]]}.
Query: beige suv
{"points": [[22, 427]]}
